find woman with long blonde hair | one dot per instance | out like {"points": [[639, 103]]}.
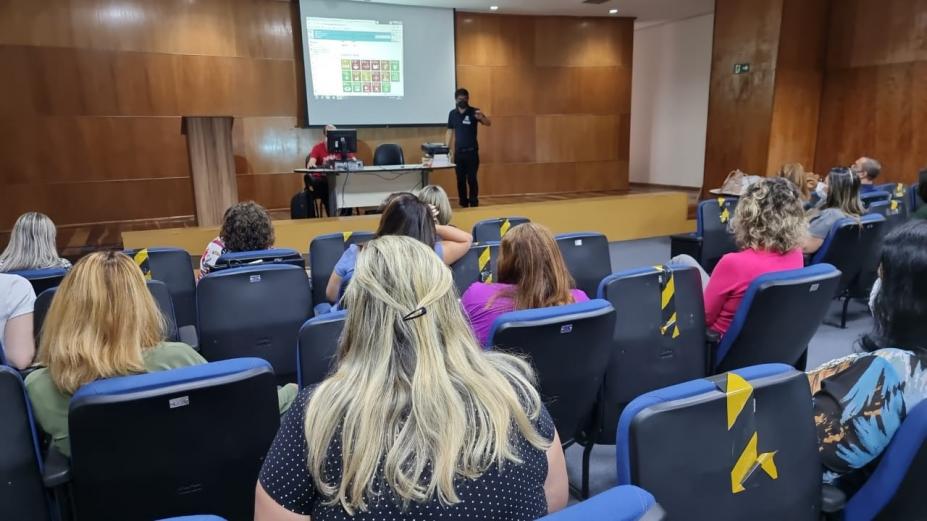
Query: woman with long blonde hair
{"points": [[842, 201], [416, 422], [103, 322], [532, 274], [32, 245]]}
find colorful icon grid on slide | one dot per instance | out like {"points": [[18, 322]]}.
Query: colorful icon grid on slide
{"points": [[369, 76]]}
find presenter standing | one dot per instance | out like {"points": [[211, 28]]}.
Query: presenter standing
{"points": [[461, 125]]}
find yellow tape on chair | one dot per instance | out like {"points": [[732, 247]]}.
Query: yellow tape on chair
{"points": [[738, 393], [504, 227], [748, 462], [668, 305], [346, 236], [142, 261], [725, 214], [483, 264], [899, 190]]}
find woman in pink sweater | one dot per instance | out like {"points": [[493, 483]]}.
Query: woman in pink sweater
{"points": [[769, 227]]}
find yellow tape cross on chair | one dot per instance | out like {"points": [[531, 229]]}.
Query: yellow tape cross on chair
{"points": [[346, 236], [725, 214], [142, 261], [739, 392], [504, 227], [668, 305], [483, 264]]}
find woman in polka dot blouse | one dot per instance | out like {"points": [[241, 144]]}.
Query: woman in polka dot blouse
{"points": [[417, 422]]}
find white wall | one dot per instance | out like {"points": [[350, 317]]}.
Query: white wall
{"points": [[669, 101]]}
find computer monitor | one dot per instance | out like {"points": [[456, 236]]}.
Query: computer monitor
{"points": [[342, 142]]}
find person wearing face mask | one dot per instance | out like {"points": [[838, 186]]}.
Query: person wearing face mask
{"points": [[461, 125]]}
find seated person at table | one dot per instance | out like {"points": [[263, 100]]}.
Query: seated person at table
{"points": [[437, 197], [405, 214], [245, 227], [861, 400], [416, 422], [32, 245], [842, 201], [319, 157], [102, 323], [769, 227], [867, 169], [17, 300], [532, 274]]}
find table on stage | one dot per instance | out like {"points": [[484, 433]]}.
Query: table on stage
{"points": [[370, 185]]}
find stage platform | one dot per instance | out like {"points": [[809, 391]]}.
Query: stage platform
{"points": [[619, 217]]}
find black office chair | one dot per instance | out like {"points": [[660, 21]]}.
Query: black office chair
{"points": [[269, 256], [171, 443], [777, 318], [324, 252], [659, 340], [42, 279], [388, 154], [742, 445], [478, 265], [318, 345], [173, 267], [22, 495], [587, 258], [254, 311], [874, 196], [712, 238], [492, 230], [569, 347]]}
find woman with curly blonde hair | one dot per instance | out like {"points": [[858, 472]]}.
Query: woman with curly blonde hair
{"points": [[769, 227]]}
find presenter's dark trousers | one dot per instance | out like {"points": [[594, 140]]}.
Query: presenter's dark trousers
{"points": [[468, 163]]}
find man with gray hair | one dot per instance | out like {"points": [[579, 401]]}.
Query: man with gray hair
{"points": [[868, 170]]}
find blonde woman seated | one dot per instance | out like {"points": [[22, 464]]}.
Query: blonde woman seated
{"points": [[102, 323], [840, 201], [532, 274], [32, 245], [416, 422], [437, 197]]}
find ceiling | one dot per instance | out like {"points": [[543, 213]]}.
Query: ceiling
{"points": [[646, 11]]}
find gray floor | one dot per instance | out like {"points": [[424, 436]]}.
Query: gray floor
{"points": [[830, 342]]}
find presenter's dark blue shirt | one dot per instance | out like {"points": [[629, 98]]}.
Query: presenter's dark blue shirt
{"points": [[464, 125]]}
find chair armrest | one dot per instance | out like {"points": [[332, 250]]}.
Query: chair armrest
{"points": [[57, 469], [712, 341], [833, 500]]}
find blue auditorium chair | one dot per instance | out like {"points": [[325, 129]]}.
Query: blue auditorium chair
{"points": [[741, 445], [854, 248], [569, 347], [659, 340], [874, 196], [22, 495], [270, 256], [898, 190], [492, 230], [712, 238], [194, 518], [478, 265], [40, 309], [173, 267], [894, 210], [625, 503], [777, 317], [913, 199], [587, 257], [318, 345], [169, 443], [324, 252], [42, 279], [254, 311]]}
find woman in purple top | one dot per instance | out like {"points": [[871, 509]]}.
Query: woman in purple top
{"points": [[532, 274]]}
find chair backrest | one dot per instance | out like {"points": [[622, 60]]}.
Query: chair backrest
{"points": [[271, 256], [898, 190], [22, 495], [478, 265], [254, 311], [318, 344], [624, 503], [874, 196], [712, 226], [388, 154], [895, 212], [895, 488], [777, 317], [914, 200], [324, 252], [587, 257], [740, 445], [492, 230], [569, 347], [850, 245], [170, 443], [42, 279], [162, 298], [40, 310], [173, 267], [659, 338]]}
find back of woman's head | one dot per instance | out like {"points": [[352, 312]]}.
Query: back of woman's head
{"points": [[406, 215], [32, 244], [795, 173], [247, 227], [413, 391], [770, 216], [530, 259], [901, 306], [100, 320], [843, 191], [437, 197]]}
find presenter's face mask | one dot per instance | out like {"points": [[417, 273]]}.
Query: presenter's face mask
{"points": [[462, 103]]}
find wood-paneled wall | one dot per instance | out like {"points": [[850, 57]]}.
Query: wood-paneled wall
{"points": [[558, 90]]}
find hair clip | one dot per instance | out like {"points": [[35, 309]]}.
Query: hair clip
{"points": [[415, 313]]}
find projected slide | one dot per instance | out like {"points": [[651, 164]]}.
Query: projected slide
{"points": [[355, 58]]}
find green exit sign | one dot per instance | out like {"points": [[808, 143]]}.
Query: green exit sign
{"points": [[741, 68]]}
